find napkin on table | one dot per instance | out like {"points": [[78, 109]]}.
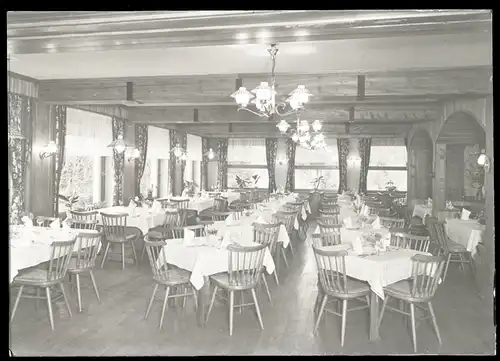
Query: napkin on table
{"points": [[366, 211], [229, 219], [465, 214], [188, 237], [357, 245], [260, 220], [429, 201], [65, 225], [449, 205], [27, 221], [56, 224], [132, 204], [348, 222], [376, 223]]}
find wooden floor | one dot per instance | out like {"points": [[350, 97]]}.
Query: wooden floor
{"points": [[116, 327]]}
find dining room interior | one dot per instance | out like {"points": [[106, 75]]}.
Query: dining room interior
{"points": [[192, 183]]}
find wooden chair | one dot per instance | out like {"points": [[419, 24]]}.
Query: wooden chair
{"points": [[172, 219], [219, 216], [200, 230], [335, 283], [380, 211], [185, 214], [220, 204], [180, 203], [84, 261], [267, 234], [288, 219], [89, 225], [44, 221], [326, 239], [418, 290], [165, 202], [115, 232], [168, 278], [330, 229], [236, 207], [410, 241], [245, 270], [452, 251], [303, 225], [84, 216], [329, 219], [46, 278], [329, 212], [390, 222]]}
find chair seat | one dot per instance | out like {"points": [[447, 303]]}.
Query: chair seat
{"points": [[72, 268], [355, 288], [402, 291], [222, 280], [34, 276], [455, 247], [176, 276], [122, 239]]}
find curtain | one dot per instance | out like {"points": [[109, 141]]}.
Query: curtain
{"points": [[204, 164], [182, 139], [222, 145], [141, 143], [60, 139], [21, 109], [118, 162], [171, 163], [291, 146], [364, 147], [343, 150], [271, 150]]}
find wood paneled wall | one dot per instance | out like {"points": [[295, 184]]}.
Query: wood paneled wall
{"points": [[454, 171]]}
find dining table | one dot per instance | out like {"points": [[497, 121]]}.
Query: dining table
{"points": [[142, 218], [422, 210], [468, 233]]}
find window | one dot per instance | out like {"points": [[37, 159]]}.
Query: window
{"points": [[311, 164], [77, 177], [246, 157], [155, 176], [387, 163]]}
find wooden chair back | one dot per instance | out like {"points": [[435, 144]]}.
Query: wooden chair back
{"points": [[410, 241], [331, 270], [88, 244], [426, 275], [157, 255], [172, 218], [329, 211], [59, 260], [220, 216], [245, 265], [266, 234], [220, 204], [391, 222], [185, 214], [84, 224], [164, 202], [84, 216], [330, 230], [437, 232], [200, 230], [180, 203], [287, 218], [114, 226], [329, 219]]}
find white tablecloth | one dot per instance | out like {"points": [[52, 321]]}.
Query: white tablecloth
{"points": [[28, 249], [421, 210], [204, 261], [379, 270], [348, 235], [467, 233], [143, 218]]}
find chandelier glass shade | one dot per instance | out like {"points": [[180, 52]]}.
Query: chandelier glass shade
{"points": [[306, 135], [118, 144], [263, 97]]}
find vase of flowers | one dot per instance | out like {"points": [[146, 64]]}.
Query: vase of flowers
{"points": [[189, 188], [70, 203], [390, 186]]}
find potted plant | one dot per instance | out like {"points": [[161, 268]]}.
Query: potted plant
{"points": [[255, 179], [69, 204], [242, 182], [315, 197], [189, 188], [390, 186]]}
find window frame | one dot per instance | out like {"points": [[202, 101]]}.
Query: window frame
{"points": [[388, 168]]}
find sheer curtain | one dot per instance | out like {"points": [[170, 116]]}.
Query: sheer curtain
{"points": [[158, 152], [222, 150]]}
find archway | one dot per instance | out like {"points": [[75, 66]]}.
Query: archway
{"points": [[420, 157], [458, 143]]}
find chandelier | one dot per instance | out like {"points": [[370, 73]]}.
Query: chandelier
{"points": [[306, 135], [264, 96]]}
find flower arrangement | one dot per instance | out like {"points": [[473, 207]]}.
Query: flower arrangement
{"points": [[138, 200], [390, 186], [70, 201], [189, 188], [246, 182], [351, 193], [318, 182]]}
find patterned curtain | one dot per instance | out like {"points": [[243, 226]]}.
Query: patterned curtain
{"points": [[271, 150], [343, 150], [141, 142], [222, 164], [60, 137], [171, 163], [364, 147], [182, 139], [291, 146], [118, 162], [20, 120], [204, 164]]}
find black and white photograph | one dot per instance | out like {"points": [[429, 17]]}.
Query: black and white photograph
{"points": [[251, 183]]}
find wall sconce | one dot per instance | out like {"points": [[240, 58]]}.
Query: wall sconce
{"points": [[177, 150], [281, 161], [118, 144], [135, 154], [484, 161], [210, 154], [49, 150]]}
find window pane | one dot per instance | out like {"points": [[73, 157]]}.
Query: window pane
{"points": [[247, 173], [392, 156], [377, 179], [77, 177], [304, 177], [246, 151], [328, 156], [147, 177]]}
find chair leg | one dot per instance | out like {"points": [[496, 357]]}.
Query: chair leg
{"points": [[291, 248], [211, 303], [259, 316], [446, 266], [18, 298], [386, 298], [151, 301], [434, 323], [105, 255], [195, 295], [78, 292], [267, 289], [92, 278], [65, 299], [413, 329], [133, 251], [321, 310], [49, 305], [123, 256], [283, 253], [164, 307], [231, 310], [38, 299], [462, 261], [344, 319], [276, 276]]}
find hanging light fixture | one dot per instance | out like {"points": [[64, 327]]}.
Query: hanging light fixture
{"points": [[263, 97], [119, 144], [210, 154], [306, 135]]}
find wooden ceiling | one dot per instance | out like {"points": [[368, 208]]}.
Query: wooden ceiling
{"points": [[380, 103]]}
